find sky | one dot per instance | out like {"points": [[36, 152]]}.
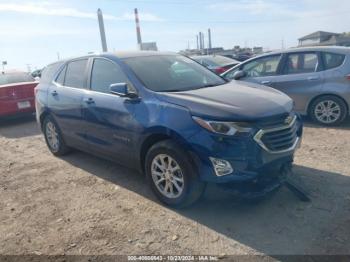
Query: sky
{"points": [[34, 33]]}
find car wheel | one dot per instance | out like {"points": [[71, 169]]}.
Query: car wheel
{"points": [[172, 175], [328, 110], [53, 137]]}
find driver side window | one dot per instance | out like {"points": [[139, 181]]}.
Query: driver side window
{"points": [[104, 73], [265, 66]]}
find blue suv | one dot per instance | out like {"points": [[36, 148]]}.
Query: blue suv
{"points": [[171, 118]]}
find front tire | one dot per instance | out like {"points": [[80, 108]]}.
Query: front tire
{"points": [[53, 137], [172, 176], [328, 110]]}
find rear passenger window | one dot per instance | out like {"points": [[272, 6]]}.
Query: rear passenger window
{"points": [[105, 73], [75, 74], [301, 63], [331, 60]]}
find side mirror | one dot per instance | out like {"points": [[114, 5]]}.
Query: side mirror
{"points": [[239, 74], [121, 89]]}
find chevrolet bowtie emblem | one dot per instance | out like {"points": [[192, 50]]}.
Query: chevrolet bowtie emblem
{"points": [[288, 120]]}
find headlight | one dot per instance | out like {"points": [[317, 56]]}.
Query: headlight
{"points": [[223, 128]]}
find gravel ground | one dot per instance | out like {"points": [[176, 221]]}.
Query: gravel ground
{"points": [[79, 204]]}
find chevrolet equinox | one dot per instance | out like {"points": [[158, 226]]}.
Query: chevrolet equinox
{"points": [[171, 118]]}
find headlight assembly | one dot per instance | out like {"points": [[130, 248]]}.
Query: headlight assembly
{"points": [[223, 128]]}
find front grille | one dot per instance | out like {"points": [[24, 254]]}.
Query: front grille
{"points": [[280, 138], [274, 121]]}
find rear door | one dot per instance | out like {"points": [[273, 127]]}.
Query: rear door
{"points": [[65, 100], [301, 77], [110, 123]]}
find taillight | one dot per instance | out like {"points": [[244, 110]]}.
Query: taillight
{"points": [[220, 70], [347, 77]]}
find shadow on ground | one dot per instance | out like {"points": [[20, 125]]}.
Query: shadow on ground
{"points": [[24, 126], [279, 225]]}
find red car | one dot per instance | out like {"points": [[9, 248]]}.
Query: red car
{"points": [[16, 93]]}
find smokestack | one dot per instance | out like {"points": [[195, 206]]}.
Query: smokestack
{"points": [[138, 31], [209, 38], [197, 42], [200, 40], [102, 30]]}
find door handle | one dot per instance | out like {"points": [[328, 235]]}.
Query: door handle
{"points": [[265, 82], [89, 100], [313, 78], [54, 93]]}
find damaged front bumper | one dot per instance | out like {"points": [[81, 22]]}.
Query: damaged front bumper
{"points": [[267, 182]]}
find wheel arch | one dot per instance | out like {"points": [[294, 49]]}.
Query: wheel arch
{"points": [[42, 117], [156, 135]]}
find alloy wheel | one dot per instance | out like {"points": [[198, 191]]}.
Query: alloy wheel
{"points": [[52, 136], [327, 111], [167, 176]]}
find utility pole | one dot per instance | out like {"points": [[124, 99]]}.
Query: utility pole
{"points": [[29, 69], [102, 30], [3, 65]]}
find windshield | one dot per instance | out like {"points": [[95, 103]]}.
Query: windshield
{"points": [[166, 73]]}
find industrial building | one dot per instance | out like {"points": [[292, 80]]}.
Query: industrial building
{"points": [[322, 38]]}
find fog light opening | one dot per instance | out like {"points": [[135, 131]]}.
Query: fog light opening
{"points": [[221, 166]]}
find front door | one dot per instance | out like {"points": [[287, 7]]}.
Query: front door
{"points": [[110, 122], [262, 70]]}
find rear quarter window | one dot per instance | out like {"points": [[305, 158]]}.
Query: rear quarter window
{"points": [[332, 60], [49, 72]]}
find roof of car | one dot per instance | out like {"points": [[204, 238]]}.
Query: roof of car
{"points": [[127, 54], [339, 49], [120, 54]]}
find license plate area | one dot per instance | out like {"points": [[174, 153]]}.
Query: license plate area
{"points": [[23, 104]]}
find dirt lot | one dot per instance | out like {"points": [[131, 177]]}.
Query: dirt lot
{"points": [[79, 204]]}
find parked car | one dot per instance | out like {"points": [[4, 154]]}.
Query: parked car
{"points": [[239, 57], [172, 118], [16, 93], [36, 73], [317, 78], [216, 63]]}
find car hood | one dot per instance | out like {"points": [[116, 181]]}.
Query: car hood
{"points": [[233, 101]]}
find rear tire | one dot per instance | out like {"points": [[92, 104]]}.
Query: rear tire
{"points": [[53, 137], [328, 110], [167, 164]]}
